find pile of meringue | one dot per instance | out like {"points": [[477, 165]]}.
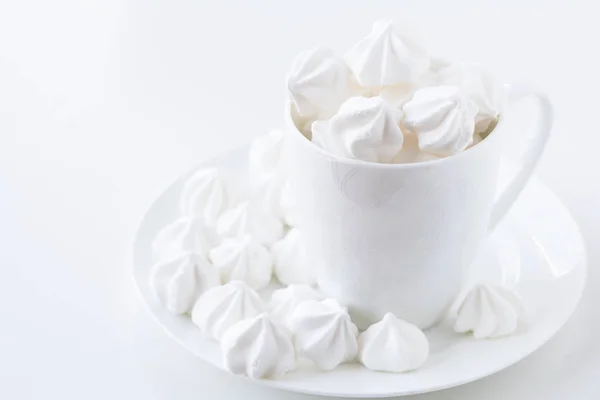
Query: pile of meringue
{"points": [[388, 101], [215, 260]]}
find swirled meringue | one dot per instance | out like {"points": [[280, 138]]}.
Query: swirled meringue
{"points": [[392, 345], [324, 333], [178, 282], [291, 266], [243, 259], [364, 129], [442, 118], [222, 306], [387, 56], [250, 218], [489, 311], [204, 195], [258, 348], [481, 87], [318, 83], [265, 156], [185, 234], [284, 301]]}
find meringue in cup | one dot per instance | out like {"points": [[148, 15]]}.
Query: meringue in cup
{"points": [[443, 119], [318, 83], [364, 128], [346, 109], [387, 56]]}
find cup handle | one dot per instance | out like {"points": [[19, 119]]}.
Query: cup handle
{"points": [[535, 149]]}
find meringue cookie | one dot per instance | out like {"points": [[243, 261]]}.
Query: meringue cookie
{"points": [[364, 128], [250, 218], [185, 234], [265, 156], [291, 266], [204, 195], [387, 56], [318, 83], [179, 281], [258, 348], [324, 333], [243, 259], [284, 301], [489, 311], [287, 206], [481, 87], [222, 306], [392, 345], [442, 118], [410, 152]]}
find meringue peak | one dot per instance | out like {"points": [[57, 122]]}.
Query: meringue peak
{"points": [[177, 282], [443, 119], [284, 301], [389, 55], [481, 87], [489, 311], [258, 348], [249, 218], [393, 345], [318, 83], [222, 306], [204, 195], [364, 128], [243, 259], [324, 333], [191, 233]]}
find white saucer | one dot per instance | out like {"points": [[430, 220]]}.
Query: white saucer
{"points": [[538, 247]]}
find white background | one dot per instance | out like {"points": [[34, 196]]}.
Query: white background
{"points": [[104, 103]]}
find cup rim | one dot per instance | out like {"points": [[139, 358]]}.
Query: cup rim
{"points": [[481, 146]]}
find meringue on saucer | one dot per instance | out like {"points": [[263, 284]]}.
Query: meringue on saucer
{"points": [[243, 259], [392, 345], [324, 333], [185, 234], [258, 348], [251, 218], [489, 311], [178, 282], [284, 301], [204, 195], [222, 306]]}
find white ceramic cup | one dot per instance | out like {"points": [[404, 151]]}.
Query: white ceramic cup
{"points": [[399, 237]]}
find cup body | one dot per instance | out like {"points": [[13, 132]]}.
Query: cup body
{"points": [[392, 237]]}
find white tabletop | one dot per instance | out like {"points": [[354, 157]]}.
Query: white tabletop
{"points": [[103, 103]]}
